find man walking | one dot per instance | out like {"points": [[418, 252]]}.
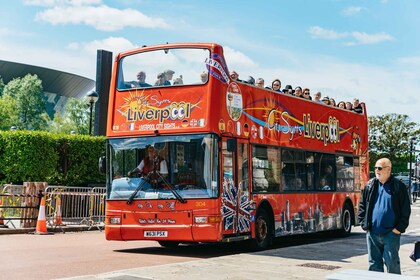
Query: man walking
{"points": [[384, 213]]}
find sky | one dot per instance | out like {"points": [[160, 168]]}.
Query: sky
{"points": [[369, 49]]}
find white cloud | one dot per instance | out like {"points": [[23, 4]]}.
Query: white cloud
{"points": [[236, 58], [352, 10], [363, 38], [328, 34], [113, 44], [411, 61], [357, 38], [102, 17], [53, 3]]}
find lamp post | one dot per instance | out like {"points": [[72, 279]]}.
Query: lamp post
{"points": [[412, 143], [91, 98]]}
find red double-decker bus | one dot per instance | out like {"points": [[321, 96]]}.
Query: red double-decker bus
{"points": [[234, 161]]}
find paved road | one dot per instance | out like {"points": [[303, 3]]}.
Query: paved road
{"points": [[88, 255]]}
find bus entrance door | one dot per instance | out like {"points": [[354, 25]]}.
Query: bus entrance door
{"points": [[236, 204]]}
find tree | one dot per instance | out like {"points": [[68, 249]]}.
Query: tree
{"points": [[75, 118], [30, 102], [389, 136], [1, 86], [8, 112]]}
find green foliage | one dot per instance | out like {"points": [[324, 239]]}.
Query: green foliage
{"points": [[30, 102], [1, 86], [75, 118], [389, 137], [8, 112], [54, 158]]}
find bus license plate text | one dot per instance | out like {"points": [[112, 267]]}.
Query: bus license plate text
{"points": [[156, 234]]}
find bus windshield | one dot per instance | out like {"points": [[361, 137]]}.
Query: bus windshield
{"points": [[168, 67], [163, 167]]}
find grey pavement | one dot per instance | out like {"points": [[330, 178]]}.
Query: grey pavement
{"points": [[312, 261]]}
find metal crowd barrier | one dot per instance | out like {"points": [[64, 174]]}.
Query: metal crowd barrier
{"points": [[79, 205]]}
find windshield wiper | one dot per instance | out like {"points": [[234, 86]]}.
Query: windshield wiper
{"points": [[139, 187], [146, 179], [172, 189]]}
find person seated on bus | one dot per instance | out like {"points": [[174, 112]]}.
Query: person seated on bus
{"points": [[299, 92], [141, 79], [349, 106], [169, 74], [150, 165], [234, 76], [357, 107], [204, 76], [276, 85], [307, 94], [162, 79], [250, 80], [297, 184], [317, 97], [323, 185], [288, 90], [260, 82], [326, 100], [178, 81], [341, 105], [332, 102]]}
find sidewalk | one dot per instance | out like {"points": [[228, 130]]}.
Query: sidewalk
{"points": [[312, 261]]}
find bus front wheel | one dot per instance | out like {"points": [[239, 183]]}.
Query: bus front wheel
{"points": [[263, 231]]}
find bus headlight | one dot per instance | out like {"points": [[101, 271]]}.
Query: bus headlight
{"points": [[207, 219]]}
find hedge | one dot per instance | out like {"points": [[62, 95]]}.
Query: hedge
{"points": [[58, 159]]}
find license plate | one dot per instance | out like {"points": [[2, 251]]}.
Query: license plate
{"points": [[155, 233]]}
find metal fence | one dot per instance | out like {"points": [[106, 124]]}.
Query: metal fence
{"points": [[79, 205]]}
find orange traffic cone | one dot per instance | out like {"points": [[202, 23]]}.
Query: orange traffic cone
{"points": [[41, 223], [58, 221], [2, 225]]}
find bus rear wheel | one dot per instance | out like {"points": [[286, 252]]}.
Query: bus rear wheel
{"points": [[346, 221], [263, 231], [169, 244]]}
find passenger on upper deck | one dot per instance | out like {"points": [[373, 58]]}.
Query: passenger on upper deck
{"points": [[141, 79], [234, 76], [288, 90], [332, 102], [307, 94], [326, 100], [250, 80], [161, 80], [317, 97], [276, 85], [204, 76], [349, 106], [298, 91], [178, 81], [357, 107], [341, 105], [260, 82], [169, 74]]}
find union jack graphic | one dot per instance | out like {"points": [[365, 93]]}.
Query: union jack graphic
{"points": [[242, 222]]}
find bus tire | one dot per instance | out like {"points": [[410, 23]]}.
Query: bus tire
{"points": [[169, 244], [346, 221], [263, 231]]}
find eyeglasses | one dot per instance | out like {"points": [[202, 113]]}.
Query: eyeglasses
{"points": [[380, 168], [306, 93], [276, 85]]}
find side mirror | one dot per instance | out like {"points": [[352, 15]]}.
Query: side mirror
{"points": [[102, 165]]}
